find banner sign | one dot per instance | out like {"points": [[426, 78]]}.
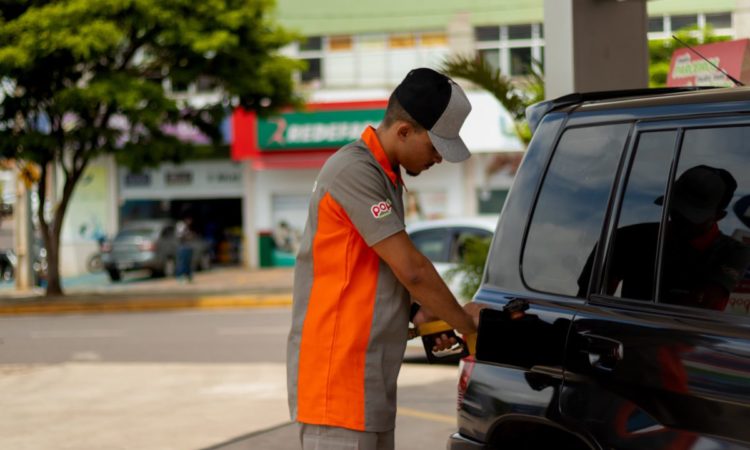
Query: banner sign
{"points": [[689, 69]]}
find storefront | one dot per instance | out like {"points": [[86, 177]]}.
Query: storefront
{"points": [[210, 192], [282, 155]]}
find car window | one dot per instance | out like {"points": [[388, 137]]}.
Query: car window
{"points": [[567, 219], [630, 269], [706, 244], [432, 243], [461, 238], [133, 232]]}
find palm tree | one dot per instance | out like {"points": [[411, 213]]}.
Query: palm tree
{"points": [[514, 94]]}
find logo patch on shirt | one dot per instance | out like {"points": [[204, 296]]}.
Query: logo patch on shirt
{"points": [[381, 209]]}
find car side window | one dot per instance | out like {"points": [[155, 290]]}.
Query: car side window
{"points": [[630, 268], [432, 243], [568, 217], [706, 248]]}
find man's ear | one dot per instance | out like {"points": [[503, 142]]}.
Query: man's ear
{"points": [[720, 215], [403, 129]]}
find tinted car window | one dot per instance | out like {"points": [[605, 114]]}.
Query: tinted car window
{"points": [[705, 248], [432, 243], [568, 216], [631, 266]]}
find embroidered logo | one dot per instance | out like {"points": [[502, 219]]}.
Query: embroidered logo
{"points": [[380, 210]]}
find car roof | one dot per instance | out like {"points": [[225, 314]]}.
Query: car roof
{"points": [[487, 222], [661, 101]]}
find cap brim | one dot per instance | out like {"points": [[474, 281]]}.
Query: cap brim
{"points": [[452, 150]]}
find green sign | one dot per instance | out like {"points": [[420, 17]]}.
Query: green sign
{"points": [[315, 129]]}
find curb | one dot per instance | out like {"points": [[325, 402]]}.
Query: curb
{"points": [[149, 304]]}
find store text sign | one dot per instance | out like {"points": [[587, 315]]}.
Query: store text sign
{"points": [[315, 128]]}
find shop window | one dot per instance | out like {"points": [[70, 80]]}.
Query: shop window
{"points": [[434, 39], [519, 32], [402, 40], [680, 22], [520, 61], [655, 24], [485, 34], [340, 43]]}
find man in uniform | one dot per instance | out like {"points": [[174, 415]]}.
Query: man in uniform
{"points": [[357, 271]]}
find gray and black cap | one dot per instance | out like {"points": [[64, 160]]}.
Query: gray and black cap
{"points": [[440, 106]]}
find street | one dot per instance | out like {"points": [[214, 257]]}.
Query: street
{"points": [[175, 380]]}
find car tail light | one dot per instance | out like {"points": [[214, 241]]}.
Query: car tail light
{"points": [[147, 246], [106, 247], [465, 367]]}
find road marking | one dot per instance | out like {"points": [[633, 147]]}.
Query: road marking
{"points": [[434, 417]]}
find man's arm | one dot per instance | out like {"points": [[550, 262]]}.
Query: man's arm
{"points": [[420, 278]]}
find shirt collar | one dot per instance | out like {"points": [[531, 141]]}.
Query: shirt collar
{"points": [[370, 139]]}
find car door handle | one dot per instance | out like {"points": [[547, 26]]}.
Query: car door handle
{"points": [[603, 353]]}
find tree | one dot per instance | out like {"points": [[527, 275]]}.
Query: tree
{"points": [[83, 78], [660, 51]]}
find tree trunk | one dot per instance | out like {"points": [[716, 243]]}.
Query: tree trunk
{"points": [[52, 244]]}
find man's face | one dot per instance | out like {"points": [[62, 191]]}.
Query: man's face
{"points": [[419, 154]]}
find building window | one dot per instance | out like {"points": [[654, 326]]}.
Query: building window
{"points": [[512, 48], [655, 24], [483, 34], [434, 39], [719, 20], [520, 61], [311, 43], [340, 43], [519, 32], [402, 40], [312, 73], [686, 21]]}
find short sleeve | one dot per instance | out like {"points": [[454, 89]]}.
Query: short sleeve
{"points": [[363, 190]]}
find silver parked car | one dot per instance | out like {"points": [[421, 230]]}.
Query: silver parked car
{"points": [[150, 245]]}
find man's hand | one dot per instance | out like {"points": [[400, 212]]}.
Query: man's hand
{"points": [[445, 342]]}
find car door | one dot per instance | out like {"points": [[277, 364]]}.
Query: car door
{"points": [[520, 355], [660, 355]]}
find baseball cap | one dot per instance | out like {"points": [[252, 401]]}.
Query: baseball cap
{"points": [[440, 106], [701, 192]]}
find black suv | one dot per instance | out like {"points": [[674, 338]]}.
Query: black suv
{"points": [[617, 283]]}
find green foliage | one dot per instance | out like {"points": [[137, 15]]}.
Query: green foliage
{"points": [[660, 51], [472, 266], [79, 78], [515, 94]]}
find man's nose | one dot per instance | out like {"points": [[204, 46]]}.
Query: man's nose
{"points": [[437, 158]]}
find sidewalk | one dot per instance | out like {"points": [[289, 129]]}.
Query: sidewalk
{"points": [[233, 287]]}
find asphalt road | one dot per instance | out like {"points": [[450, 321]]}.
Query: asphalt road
{"points": [[209, 379]]}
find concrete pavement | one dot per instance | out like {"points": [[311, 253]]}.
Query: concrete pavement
{"points": [[233, 287]]}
